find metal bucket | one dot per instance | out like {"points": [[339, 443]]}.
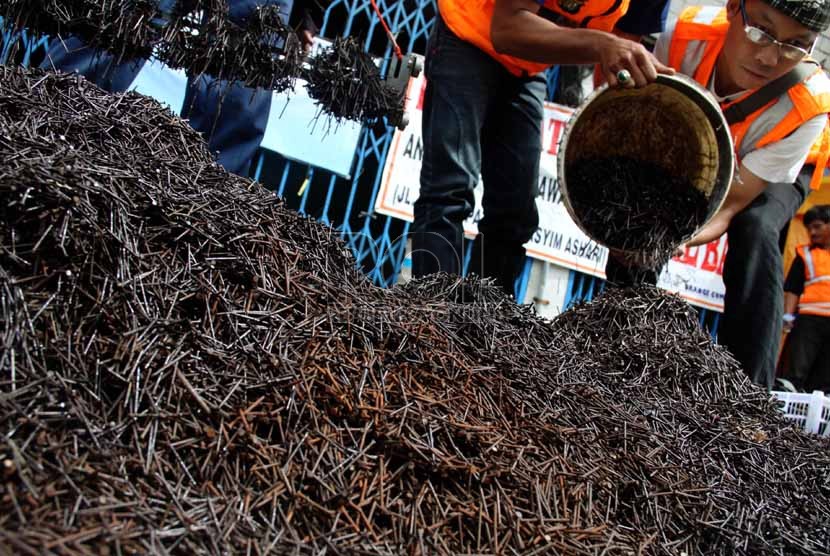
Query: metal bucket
{"points": [[673, 122]]}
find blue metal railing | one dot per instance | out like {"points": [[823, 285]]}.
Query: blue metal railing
{"points": [[28, 44]]}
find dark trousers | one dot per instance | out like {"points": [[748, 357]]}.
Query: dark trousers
{"points": [[808, 353], [231, 117], [478, 119], [753, 274]]}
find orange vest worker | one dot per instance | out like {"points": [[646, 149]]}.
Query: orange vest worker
{"points": [[695, 45], [815, 300], [470, 21]]}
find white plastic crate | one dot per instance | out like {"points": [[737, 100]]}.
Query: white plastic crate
{"points": [[809, 411]]}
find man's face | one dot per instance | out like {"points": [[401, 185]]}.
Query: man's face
{"points": [[751, 65], [819, 233]]}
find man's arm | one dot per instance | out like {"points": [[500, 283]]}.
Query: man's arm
{"points": [[517, 30], [779, 162], [793, 288], [790, 305], [742, 192], [307, 18], [790, 302]]}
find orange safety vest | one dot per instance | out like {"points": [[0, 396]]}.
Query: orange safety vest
{"points": [[695, 45], [470, 21], [815, 300]]}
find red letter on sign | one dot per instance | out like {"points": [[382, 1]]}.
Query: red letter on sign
{"points": [[711, 258], [557, 126], [723, 255], [421, 95], [689, 256]]}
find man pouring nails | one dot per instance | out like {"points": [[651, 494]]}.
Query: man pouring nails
{"points": [[483, 112], [754, 57]]}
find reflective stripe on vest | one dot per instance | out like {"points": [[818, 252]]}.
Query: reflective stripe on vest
{"points": [[815, 299], [809, 265], [695, 44], [816, 309], [470, 20], [696, 41]]}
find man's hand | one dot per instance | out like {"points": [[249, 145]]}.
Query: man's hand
{"points": [[306, 39], [617, 54], [310, 14], [789, 322]]}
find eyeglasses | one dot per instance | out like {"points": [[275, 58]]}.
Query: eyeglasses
{"points": [[762, 38]]}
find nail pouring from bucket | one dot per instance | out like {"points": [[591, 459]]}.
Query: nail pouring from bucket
{"points": [[643, 169]]}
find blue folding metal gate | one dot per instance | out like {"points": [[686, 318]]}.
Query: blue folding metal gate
{"points": [[377, 241]]}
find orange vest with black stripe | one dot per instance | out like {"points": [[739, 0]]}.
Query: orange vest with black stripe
{"points": [[470, 21], [696, 43], [815, 300]]}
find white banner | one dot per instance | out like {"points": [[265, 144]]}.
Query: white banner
{"points": [[696, 275]]}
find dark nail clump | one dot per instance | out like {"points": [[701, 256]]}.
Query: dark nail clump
{"points": [[346, 80], [635, 205]]}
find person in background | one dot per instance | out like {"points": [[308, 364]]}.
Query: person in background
{"points": [[807, 307], [231, 117], [782, 150], [483, 111]]}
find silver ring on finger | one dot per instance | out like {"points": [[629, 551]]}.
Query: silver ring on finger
{"points": [[624, 76]]}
